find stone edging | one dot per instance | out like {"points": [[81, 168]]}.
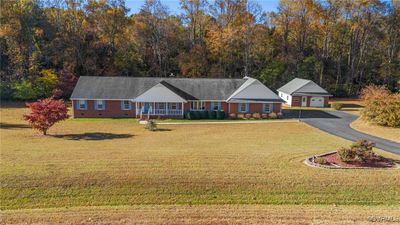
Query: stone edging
{"points": [[310, 162]]}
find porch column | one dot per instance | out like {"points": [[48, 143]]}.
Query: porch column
{"points": [[166, 108], [183, 105], [154, 108]]}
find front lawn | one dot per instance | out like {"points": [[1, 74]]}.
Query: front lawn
{"points": [[111, 162]]}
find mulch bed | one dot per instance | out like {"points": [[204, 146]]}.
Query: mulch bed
{"points": [[333, 159]]}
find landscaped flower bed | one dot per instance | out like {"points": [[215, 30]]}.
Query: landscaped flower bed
{"points": [[358, 156]]}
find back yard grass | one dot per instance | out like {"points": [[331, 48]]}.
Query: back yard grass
{"points": [[116, 162]]}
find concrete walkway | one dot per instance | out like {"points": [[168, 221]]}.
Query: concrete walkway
{"points": [[231, 122], [338, 123]]}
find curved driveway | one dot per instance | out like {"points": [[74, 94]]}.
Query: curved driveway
{"points": [[338, 123]]}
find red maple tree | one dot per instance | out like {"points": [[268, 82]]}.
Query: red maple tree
{"points": [[45, 113]]}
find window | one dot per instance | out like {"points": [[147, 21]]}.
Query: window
{"points": [[287, 97], [99, 105], [126, 105], [243, 107], [160, 105], [82, 104], [267, 107], [196, 105], [281, 95], [215, 106], [304, 99], [173, 106]]}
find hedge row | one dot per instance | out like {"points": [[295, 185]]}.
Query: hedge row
{"points": [[204, 115]]}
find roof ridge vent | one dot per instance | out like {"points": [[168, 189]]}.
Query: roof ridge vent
{"points": [[246, 77]]}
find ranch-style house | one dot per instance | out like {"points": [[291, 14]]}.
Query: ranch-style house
{"points": [[169, 97]]}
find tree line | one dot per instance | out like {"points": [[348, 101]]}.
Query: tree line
{"points": [[341, 44]]}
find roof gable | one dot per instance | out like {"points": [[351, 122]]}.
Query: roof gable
{"points": [[160, 93], [299, 86], [254, 90]]}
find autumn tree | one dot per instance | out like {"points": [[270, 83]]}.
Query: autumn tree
{"points": [[45, 113]]}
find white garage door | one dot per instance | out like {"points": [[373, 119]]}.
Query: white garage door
{"points": [[317, 102]]}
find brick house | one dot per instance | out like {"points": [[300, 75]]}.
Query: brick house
{"points": [[305, 93], [169, 97]]}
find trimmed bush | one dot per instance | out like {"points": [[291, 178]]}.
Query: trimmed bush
{"points": [[240, 116], [151, 125], [204, 114], [190, 115], [212, 114], [247, 115], [280, 115], [220, 115], [321, 160], [264, 115], [360, 151], [232, 115], [256, 116], [273, 115], [337, 106], [196, 115]]}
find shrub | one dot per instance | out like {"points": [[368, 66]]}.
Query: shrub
{"points": [[273, 115], [381, 107], [6, 91], [190, 115], [196, 115], [264, 116], [151, 125], [220, 115], [247, 115], [232, 115], [337, 105], [240, 116], [204, 114], [320, 160], [256, 116], [360, 151], [279, 115], [212, 114], [45, 113]]}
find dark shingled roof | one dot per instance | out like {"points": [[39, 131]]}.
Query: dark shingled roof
{"points": [[302, 86], [131, 87]]}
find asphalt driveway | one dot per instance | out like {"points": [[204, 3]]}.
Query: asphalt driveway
{"points": [[338, 123]]}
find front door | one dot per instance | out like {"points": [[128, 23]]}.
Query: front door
{"points": [[304, 101]]}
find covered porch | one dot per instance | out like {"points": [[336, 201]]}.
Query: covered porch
{"points": [[167, 109]]}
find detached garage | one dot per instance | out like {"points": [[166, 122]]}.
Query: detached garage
{"points": [[304, 93]]}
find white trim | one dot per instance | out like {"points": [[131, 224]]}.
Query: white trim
{"points": [[106, 99]]}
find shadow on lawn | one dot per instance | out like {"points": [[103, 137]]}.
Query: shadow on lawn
{"points": [[163, 129], [13, 126], [96, 136]]}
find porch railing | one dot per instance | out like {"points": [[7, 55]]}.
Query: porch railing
{"points": [[172, 112]]}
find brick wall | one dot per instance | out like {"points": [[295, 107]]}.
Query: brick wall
{"points": [[112, 109]]}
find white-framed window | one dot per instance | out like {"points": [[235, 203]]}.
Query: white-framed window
{"points": [[160, 105], [126, 105], [173, 106], [243, 107], [197, 105], [81, 104], [215, 106], [267, 107], [99, 104]]}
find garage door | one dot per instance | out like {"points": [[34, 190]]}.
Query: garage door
{"points": [[317, 102]]}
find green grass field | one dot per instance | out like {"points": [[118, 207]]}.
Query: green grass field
{"points": [[116, 162]]}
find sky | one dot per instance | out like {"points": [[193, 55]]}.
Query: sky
{"points": [[174, 8]]}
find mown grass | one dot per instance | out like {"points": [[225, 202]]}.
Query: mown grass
{"points": [[112, 162]]}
